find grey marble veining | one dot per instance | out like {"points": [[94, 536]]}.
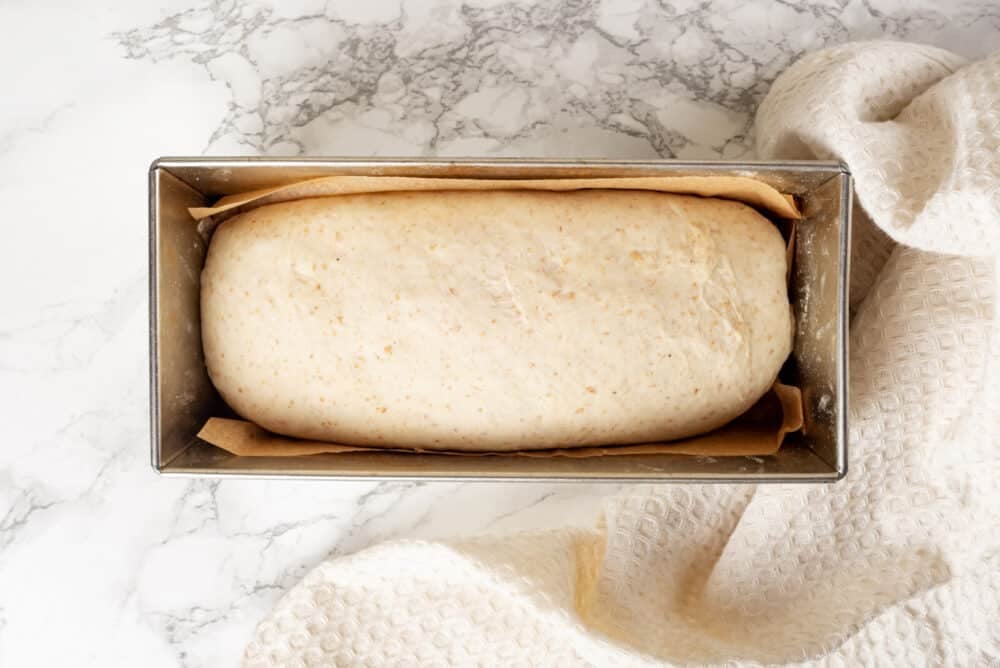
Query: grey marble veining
{"points": [[103, 563], [677, 79]]}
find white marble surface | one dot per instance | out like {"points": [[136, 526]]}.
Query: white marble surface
{"points": [[102, 562]]}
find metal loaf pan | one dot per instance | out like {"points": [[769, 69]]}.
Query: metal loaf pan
{"points": [[182, 396]]}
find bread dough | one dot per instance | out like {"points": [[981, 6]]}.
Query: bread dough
{"points": [[495, 320]]}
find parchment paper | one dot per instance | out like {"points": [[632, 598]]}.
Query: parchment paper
{"points": [[759, 431], [739, 188]]}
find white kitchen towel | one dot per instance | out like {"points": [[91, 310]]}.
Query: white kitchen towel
{"points": [[898, 564]]}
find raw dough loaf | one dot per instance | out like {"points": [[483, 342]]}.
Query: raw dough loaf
{"points": [[495, 320]]}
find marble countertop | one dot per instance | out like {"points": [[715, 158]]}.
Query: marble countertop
{"points": [[101, 561]]}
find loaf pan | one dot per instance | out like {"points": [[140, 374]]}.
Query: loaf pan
{"points": [[182, 397]]}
